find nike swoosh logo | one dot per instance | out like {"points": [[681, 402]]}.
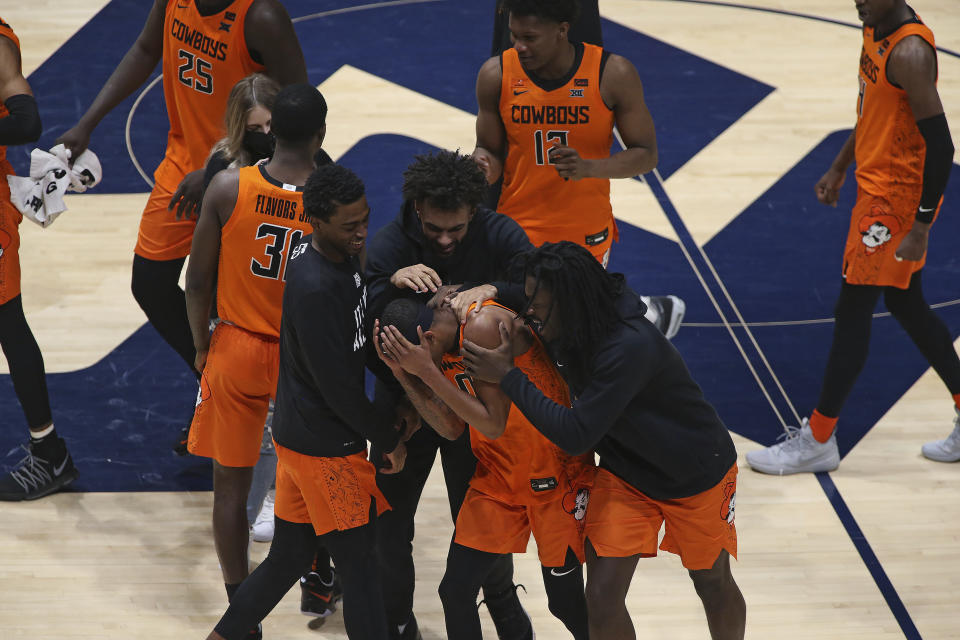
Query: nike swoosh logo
{"points": [[553, 572], [517, 93], [325, 598], [58, 470], [922, 210]]}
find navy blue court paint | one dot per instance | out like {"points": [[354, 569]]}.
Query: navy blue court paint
{"points": [[869, 557]]}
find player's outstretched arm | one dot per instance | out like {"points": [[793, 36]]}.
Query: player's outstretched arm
{"points": [[219, 202], [22, 124], [622, 91], [828, 187], [133, 71], [913, 66], [269, 32], [491, 135]]}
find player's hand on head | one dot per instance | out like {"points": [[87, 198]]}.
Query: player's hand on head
{"points": [[76, 140], [394, 461], [914, 245], [462, 302], [382, 353], [568, 163], [414, 359], [444, 293], [418, 277], [490, 164], [188, 196], [489, 365], [828, 187]]}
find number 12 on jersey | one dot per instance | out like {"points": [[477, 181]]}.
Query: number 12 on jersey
{"points": [[277, 251], [543, 153]]}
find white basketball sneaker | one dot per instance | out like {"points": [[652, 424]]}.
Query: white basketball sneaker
{"points": [[948, 449], [666, 313], [262, 530], [799, 452]]}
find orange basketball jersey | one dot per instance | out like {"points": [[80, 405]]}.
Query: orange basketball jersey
{"points": [[266, 225], [548, 207], [889, 147], [6, 169], [203, 57], [521, 465]]}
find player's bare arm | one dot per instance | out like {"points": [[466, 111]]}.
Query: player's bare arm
{"points": [[424, 400], [622, 91], [22, 125], [913, 66], [491, 148], [218, 204], [487, 412], [828, 187], [133, 70], [270, 34]]}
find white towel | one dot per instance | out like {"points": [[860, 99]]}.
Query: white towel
{"points": [[40, 197]]}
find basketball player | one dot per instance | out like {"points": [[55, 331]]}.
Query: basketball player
{"points": [[547, 109], [326, 492], [47, 466], [441, 239], [665, 456], [904, 154], [522, 482], [205, 46], [252, 218]]}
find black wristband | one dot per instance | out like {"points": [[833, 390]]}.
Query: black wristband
{"points": [[22, 125], [937, 163]]}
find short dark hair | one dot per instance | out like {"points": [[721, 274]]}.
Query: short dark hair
{"points": [[584, 296], [550, 10], [447, 180], [299, 113], [406, 314], [328, 187]]}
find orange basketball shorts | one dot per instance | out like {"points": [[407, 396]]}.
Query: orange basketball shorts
{"points": [[237, 383], [329, 493], [877, 225], [623, 522], [161, 236], [598, 244], [10, 220], [488, 524]]}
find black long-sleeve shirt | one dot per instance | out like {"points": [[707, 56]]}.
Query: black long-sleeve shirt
{"points": [[321, 408], [639, 408], [491, 241]]}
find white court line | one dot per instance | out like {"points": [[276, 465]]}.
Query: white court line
{"points": [[312, 16]]}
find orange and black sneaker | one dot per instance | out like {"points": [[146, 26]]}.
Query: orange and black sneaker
{"points": [[318, 597], [180, 444]]}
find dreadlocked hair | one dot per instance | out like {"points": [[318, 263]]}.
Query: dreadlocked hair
{"points": [[447, 180], [584, 299], [551, 10]]}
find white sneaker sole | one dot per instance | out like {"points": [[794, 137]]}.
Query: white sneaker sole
{"points": [[676, 317]]}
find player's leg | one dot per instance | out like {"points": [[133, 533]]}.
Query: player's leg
{"points": [[608, 580], [813, 447], [933, 339], [355, 556], [395, 529], [466, 570], [289, 556], [722, 601], [156, 288], [230, 529], [320, 588], [499, 591], [565, 595], [47, 466]]}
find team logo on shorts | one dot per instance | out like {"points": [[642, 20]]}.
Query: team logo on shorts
{"points": [[877, 229], [580, 506], [5, 240], [203, 392], [729, 506]]}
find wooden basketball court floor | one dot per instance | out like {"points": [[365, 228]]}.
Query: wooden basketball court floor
{"points": [[142, 565]]}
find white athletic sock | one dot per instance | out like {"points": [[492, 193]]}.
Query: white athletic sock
{"points": [[38, 435]]}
